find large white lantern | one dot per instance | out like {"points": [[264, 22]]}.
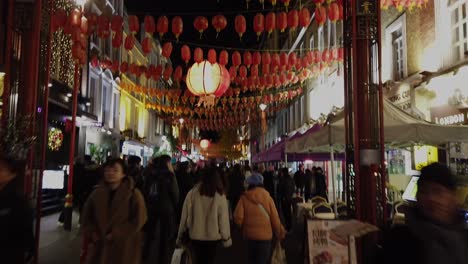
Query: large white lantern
{"points": [[205, 79]]}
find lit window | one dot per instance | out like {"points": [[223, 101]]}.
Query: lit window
{"points": [[396, 41], [458, 29]]}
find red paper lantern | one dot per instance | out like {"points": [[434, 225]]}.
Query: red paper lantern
{"points": [[185, 53], [340, 54], [92, 22], [167, 50], [298, 65], [317, 57], [247, 59], [236, 58], [162, 25], [103, 27], [270, 22], [129, 42], [157, 73], [219, 22], [333, 12], [293, 20], [224, 58], [326, 56], [212, 56], [292, 58], [178, 74], [205, 79], [340, 11], [84, 26], [243, 72], [259, 24], [304, 17], [198, 55], [150, 26], [147, 45], [240, 25], [256, 58], [266, 58], [254, 71], [150, 72], [233, 72], [117, 39], [59, 20], [76, 50], [74, 19], [282, 21], [167, 72], [318, 3], [273, 2], [275, 61], [265, 69], [200, 24], [117, 23], [321, 15], [177, 26], [124, 67], [283, 59], [305, 62], [133, 24]]}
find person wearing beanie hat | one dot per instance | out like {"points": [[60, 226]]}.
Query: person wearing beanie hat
{"points": [[433, 233], [256, 214]]}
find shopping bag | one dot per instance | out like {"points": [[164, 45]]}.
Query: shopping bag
{"points": [[181, 256], [279, 256]]}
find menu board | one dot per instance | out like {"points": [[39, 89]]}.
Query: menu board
{"points": [[326, 246]]}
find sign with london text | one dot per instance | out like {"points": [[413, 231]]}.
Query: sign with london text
{"points": [[448, 115]]}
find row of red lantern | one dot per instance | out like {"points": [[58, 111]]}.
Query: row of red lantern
{"points": [[403, 4]]}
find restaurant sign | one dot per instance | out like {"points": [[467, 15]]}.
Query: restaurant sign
{"points": [[449, 115]]}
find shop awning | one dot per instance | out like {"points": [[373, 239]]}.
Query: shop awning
{"points": [[401, 129]]}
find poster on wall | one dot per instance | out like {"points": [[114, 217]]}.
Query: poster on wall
{"points": [[325, 245]]}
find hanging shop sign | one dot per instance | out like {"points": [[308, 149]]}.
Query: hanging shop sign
{"points": [[425, 155], [449, 115], [400, 96]]}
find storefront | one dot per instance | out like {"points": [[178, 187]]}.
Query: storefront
{"points": [[135, 148]]}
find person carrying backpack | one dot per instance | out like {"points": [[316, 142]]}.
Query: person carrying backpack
{"points": [[162, 198]]}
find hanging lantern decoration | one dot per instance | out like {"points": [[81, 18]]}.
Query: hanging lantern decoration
{"points": [[178, 74], [273, 2], [117, 39], [162, 26], [150, 72], [243, 72], [233, 72], [117, 23], [240, 25], [205, 79], [92, 22], [340, 11], [103, 27], [200, 24], [129, 42], [147, 45], [185, 53], [84, 26], [304, 17], [124, 67], [177, 26], [254, 71], [317, 57], [204, 143], [333, 12], [321, 15], [212, 56], [340, 54], [59, 19], [282, 21], [283, 60], [259, 24], [224, 58], [74, 19], [326, 56], [247, 59], [133, 24], [270, 23], [150, 26], [266, 58], [236, 58], [293, 20], [198, 55], [167, 72], [292, 58], [286, 3], [257, 58], [167, 50], [158, 73], [219, 22], [275, 61]]}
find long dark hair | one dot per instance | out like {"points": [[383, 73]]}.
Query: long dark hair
{"points": [[211, 182]]}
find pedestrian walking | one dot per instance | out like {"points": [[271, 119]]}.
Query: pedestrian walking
{"points": [[113, 218], [205, 218], [236, 185], [320, 184], [285, 194], [162, 197], [433, 232], [256, 214]]}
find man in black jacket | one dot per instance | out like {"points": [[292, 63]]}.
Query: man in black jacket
{"points": [[16, 220], [432, 234]]}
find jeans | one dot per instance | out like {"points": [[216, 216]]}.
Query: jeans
{"points": [[204, 252], [259, 252]]}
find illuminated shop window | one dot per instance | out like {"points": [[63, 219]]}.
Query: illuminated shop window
{"points": [[458, 28]]}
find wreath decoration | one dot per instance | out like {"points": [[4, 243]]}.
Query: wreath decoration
{"points": [[55, 139]]}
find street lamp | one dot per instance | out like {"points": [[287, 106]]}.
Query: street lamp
{"points": [[263, 107], [181, 121]]}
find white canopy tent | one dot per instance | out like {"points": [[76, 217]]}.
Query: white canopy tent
{"points": [[400, 128]]}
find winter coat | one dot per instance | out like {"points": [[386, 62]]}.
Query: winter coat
{"points": [[123, 217], [321, 185], [269, 183], [286, 188], [205, 218], [16, 226], [422, 241], [299, 179], [253, 220], [167, 200]]}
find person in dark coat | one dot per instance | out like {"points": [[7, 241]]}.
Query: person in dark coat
{"points": [[310, 187], [269, 183], [285, 193], [16, 217], [299, 177], [185, 183], [236, 185], [432, 233], [162, 199], [135, 171], [320, 184]]}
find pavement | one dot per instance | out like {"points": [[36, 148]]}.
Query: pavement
{"points": [[58, 246]]}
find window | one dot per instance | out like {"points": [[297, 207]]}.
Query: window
{"points": [[93, 87], [396, 47], [311, 42], [458, 29]]}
